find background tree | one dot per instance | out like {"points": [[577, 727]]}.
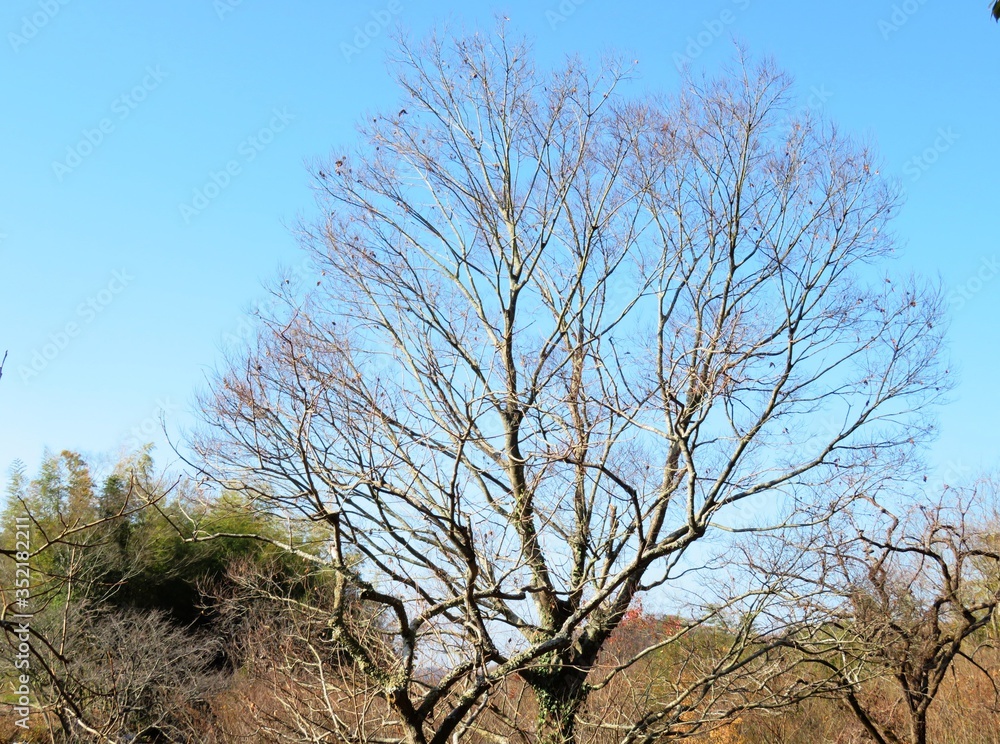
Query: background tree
{"points": [[562, 342], [913, 590], [126, 638], [129, 676], [74, 564], [296, 683]]}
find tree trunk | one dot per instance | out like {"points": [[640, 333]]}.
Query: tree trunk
{"points": [[918, 728], [560, 693], [414, 735], [411, 723]]}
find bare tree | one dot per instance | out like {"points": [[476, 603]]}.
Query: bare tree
{"points": [[561, 343], [300, 685], [909, 591], [131, 675]]}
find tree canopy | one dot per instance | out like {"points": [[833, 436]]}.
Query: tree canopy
{"points": [[563, 341]]}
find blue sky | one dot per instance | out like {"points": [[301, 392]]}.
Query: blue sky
{"points": [[119, 283]]}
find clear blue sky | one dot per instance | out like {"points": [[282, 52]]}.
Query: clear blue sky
{"points": [[170, 92]]}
